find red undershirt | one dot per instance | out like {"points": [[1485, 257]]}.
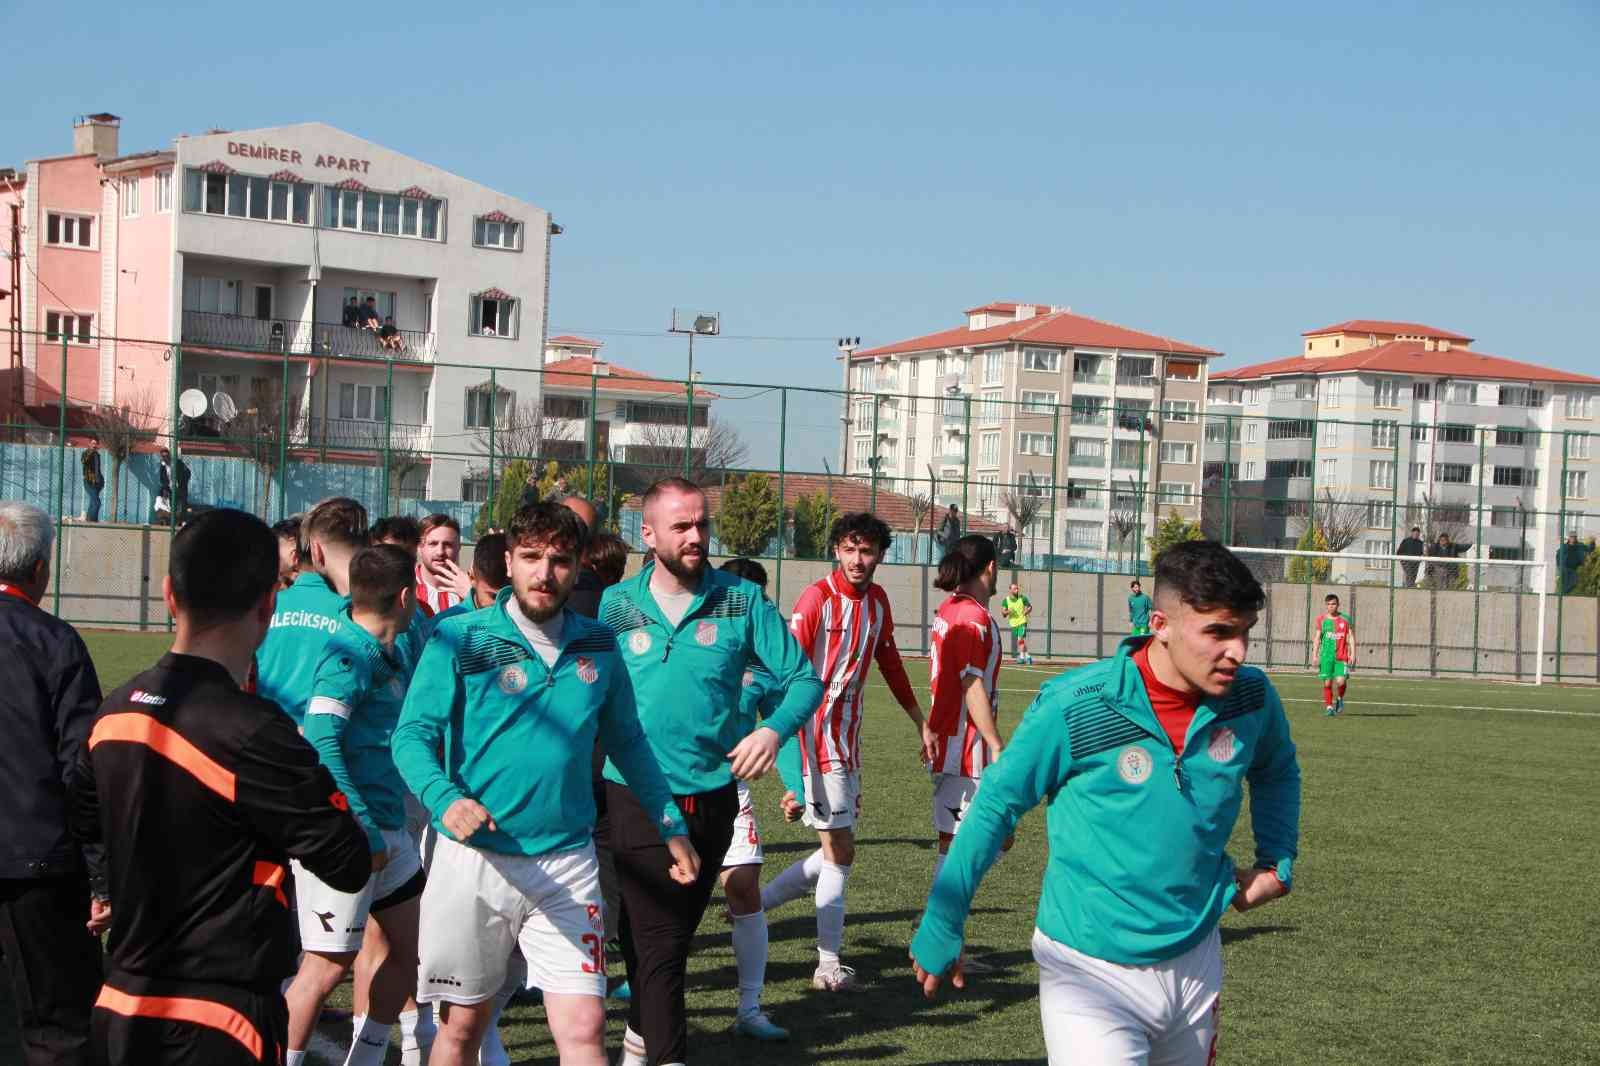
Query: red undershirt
{"points": [[1174, 709]]}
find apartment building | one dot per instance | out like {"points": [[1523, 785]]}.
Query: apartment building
{"points": [[234, 261], [1410, 423], [1034, 399]]}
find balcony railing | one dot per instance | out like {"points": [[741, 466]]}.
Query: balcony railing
{"points": [[1091, 377], [294, 337], [367, 435]]}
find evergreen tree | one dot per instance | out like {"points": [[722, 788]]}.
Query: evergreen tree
{"points": [[1303, 570], [1173, 529], [748, 516], [813, 516]]}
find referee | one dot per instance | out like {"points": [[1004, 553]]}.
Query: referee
{"points": [[202, 794]]}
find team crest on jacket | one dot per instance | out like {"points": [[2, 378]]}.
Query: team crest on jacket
{"points": [[1134, 764], [1224, 745], [588, 673], [705, 634], [639, 642], [512, 680], [749, 678]]}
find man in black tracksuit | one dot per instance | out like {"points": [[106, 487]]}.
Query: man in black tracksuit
{"points": [[202, 794]]}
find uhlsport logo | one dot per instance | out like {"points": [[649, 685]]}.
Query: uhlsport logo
{"points": [[512, 680], [639, 642], [705, 634], [1224, 745], [1134, 764], [587, 671]]}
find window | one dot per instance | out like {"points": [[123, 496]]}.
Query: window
{"points": [[1580, 405], [1214, 470], [488, 231], [566, 407], [1178, 371], [130, 196], [861, 415], [478, 407], [993, 366], [1080, 534], [1180, 410], [365, 402], [1033, 484], [988, 449], [1089, 410], [1386, 393], [69, 231], [1290, 429], [1453, 473], [1090, 370], [1419, 473], [1463, 392], [1178, 492], [1505, 553], [1251, 432], [1578, 446], [1294, 389], [1257, 395], [494, 316], [1576, 485], [243, 196], [1419, 433], [989, 408], [1045, 360], [1375, 547], [164, 191], [1506, 517], [662, 414], [1289, 468], [1126, 499], [1384, 434], [1510, 438], [1330, 471], [1421, 391], [911, 443], [1086, 451], [1521, 396], [862, 453], [1177, 452], [1036, 443], [988, 490], [75, 329], [1330, 433], [1456, 433], [1129, 455], [380, 212], [1218, 432], [1380, 474], [475, 488], [1083, 494], [1035, 402], [1136, 370], [1380, 514], [1250, 469], [1330, 392]]}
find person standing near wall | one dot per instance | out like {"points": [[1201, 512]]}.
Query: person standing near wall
{"points": [[93, 481]]}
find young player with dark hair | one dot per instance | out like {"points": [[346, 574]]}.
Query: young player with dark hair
{"points": [[288, 533], [359, 685], [1335, 637], [514, 696], [1142, 759], [401, 530], [202, 795], [844, 624]]}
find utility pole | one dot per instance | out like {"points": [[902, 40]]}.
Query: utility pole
{"points": [[14, 316]]}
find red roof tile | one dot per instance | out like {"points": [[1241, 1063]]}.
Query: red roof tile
{"points": [[1057, 327], [575, 341], [1408, 357], [853, 494], [574, 373], [1380, 326]]}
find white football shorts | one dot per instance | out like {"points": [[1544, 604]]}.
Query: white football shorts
{"points": [[952, 795], [833, 799], [333, 922], [746, 847]]}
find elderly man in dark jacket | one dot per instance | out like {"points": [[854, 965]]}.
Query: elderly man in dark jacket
{"points": [[1412, 545], [48, 698]]}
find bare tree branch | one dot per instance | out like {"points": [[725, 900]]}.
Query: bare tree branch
{"points": [[118, 430], [717, 447], [523, 430], [1341, 518]]}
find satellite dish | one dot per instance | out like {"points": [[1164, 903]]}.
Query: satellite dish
{"points": [[192, 402], [224, 406]]}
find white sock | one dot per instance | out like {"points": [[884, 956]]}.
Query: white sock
{"points": [[793, 883], [370, 1045], [417, 1030], [294, 1058], [830, 911], [750, 952], [356, 1022], [633, 1050]]}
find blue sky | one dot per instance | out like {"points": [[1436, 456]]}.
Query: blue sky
{"points": [[1227, 174]]}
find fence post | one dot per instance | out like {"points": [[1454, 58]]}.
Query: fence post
{"points": [[1311, 525], [1561, 529], [688, 428], [783, 448], [61, 470], [1050, 548], [593, 434], [966, 462], [1394, 516], [283, 442], [877, 409], [1228, 474], [388, 433], [1477, 592], [494, 417]]}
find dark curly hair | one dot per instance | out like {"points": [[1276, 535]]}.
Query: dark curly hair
{"points": [[1205, 575], [864, 524]]}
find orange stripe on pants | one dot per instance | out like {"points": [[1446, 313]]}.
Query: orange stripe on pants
{"points": [[181, 1009]]}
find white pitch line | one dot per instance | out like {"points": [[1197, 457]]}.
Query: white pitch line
{"points": [[1416, 706]]}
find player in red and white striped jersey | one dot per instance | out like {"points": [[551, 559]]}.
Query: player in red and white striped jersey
{"points": [[965, 677], [441, 584], [844, 623]]}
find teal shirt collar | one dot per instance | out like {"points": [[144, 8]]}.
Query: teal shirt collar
{"points": [[358, 632], [1126, 694], [639, 592]]}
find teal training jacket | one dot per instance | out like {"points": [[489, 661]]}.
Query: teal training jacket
{"points": [[306, 615]]}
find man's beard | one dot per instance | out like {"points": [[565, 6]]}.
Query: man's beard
{"points": [[541, 614], [681, 568]]}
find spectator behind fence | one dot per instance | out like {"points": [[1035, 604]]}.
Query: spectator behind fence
{"points": [[173, 474], [48, 698], [607, 556], [585, 598], [1445, 575], [1412, 545], [1570, 558], [949, 531], [93, 481], [389, 336]]}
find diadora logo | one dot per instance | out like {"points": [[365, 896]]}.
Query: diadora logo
{"points": [[141, 696], [450, 982]]}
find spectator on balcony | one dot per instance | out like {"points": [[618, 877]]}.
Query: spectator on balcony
{"points": [[370, 319], [389, 336], [352, 313]]}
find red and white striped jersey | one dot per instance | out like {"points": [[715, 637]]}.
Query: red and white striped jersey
{"points": [[430, 599], [844, 631], [966, 643]]}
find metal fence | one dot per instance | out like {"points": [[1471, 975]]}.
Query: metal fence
{"points": [[1086, 484]]}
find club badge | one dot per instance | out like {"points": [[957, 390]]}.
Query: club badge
{"points": [[639, 641], [1224, 745], [749, 678], [512, 680], [705, 634], [1134, 764], [588, 673]]}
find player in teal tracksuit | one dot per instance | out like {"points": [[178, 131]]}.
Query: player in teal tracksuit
{"points": [[306, 615], [1138, 873]]}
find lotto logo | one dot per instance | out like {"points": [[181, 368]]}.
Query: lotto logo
{"points": [[141, 696]]}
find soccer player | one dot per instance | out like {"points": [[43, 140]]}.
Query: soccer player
{"points": [[1139, 608], [741, 867], [1017, 607], [688, 634], [309, 611], [401, 530], [288, 534], [202, 794], [1335, 636], [514, 696], [1142, 759], [843, 622], [441, 584], [356, 695], [965, 678]]}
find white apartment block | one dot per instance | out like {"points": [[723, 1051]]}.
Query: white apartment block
{"points": [[1393, 415], [1037, 400]]}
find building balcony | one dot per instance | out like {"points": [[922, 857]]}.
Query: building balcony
{"points": [[367, 435], [284, 336], [1091, 377]]}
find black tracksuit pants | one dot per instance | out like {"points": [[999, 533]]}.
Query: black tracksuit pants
{"points": [[659, 916], [54, 965]]}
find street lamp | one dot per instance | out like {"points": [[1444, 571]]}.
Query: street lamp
{"points": [[692, 324], [847, 347]]}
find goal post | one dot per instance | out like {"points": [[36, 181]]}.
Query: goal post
{"points": [[1475, 592]]}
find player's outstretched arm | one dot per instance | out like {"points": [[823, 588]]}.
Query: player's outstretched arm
{"points": [[1274, 780], [436, 689], [1039, 761], [776, 649]]}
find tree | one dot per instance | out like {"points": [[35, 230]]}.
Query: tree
{"points": [[508, 496], [1451, 519], [264, 433], [523, 430], [920, 505], [1023, 509], [1173, 529], [1304, 570], [748, 515], [1340, 517], [1589, 575], [659, 448], [813, 517], [1123, 525], [606, 496], [117, 430]]}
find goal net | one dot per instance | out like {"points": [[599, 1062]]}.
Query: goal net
{"points": [[1431, 616]]}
